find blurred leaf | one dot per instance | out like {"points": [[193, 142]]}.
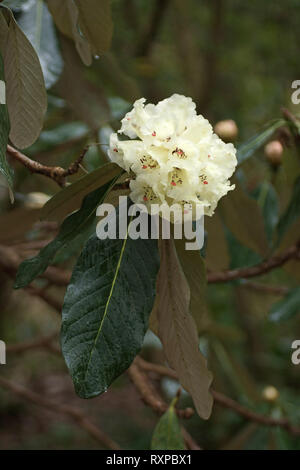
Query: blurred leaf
{"points": [[216, 252], [291, 214], [26, 94], [247, 149], [178, 332], [286, 308], [267, 199], [69, 199], [194, 270], [36, 22], [96, 24], [4, 128], [74, 225], [61, 15], [86, 99], [167, 433], [106, 310], [243, 217], [65, 15]]}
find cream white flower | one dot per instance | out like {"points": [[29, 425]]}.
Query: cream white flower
{"points": [[174, 155]]}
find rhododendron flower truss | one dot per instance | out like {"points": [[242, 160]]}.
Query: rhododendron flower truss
{"points": [[174, 155]]}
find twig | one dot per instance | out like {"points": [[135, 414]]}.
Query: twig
{"points": [[257, 270], [72, 412], [225, 401], [252, 416], [265, 288], [56, 173], [149, 395]]}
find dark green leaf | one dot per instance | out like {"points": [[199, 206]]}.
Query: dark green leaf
{"points": [[247, 149], [74, 225], [167, 434], [288, 307], [106, 310]]}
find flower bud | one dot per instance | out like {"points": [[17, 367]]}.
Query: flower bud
{"points": [[273, 152], [227, 130], [270, 393]]}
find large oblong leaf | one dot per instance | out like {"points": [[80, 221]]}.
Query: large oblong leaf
{"points": [[26, 93], [69, 199], [106, 310], [178, 332]]}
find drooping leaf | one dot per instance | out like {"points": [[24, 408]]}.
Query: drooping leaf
{"points": [[287, 307], [86, 98], [74, 225], [194, 270], [69, 199], [36, 22], [243, 217], [4, 128], [247, 149], [178, 332], [65, 15], [96, 24], [26, 93], [167, 433], [106, 310]]}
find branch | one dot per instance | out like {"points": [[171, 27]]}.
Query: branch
{"points": [[225, 401], [80, 419], [56, 173], [262, 268], [9, 261], [265, 288], [149, 395]]}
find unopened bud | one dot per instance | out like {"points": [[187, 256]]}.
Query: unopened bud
{"points": [[270, 393], [273, 152], [227, 130]]}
